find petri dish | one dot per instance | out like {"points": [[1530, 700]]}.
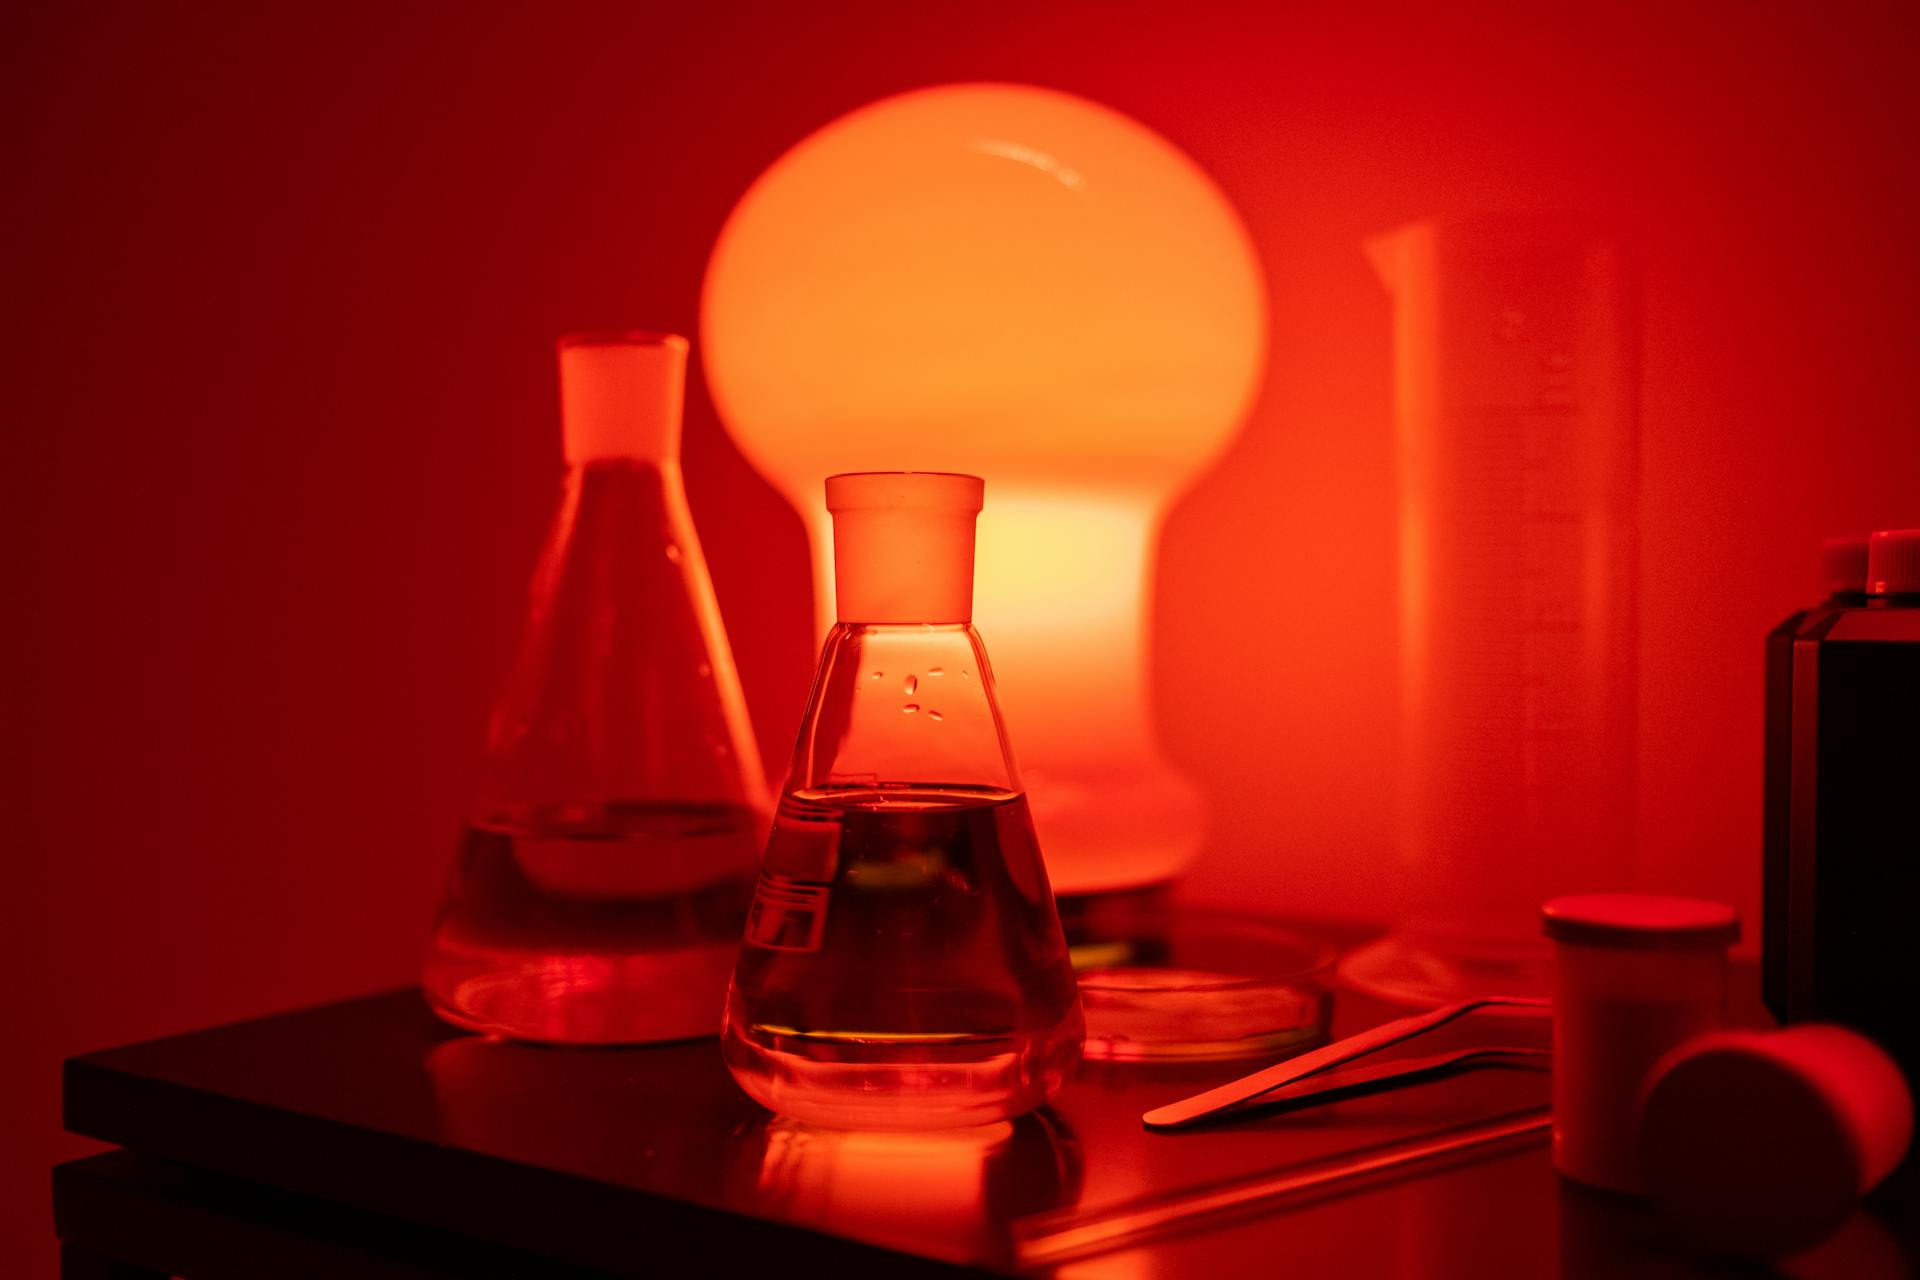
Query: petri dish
{"points": [[1217, 986]]}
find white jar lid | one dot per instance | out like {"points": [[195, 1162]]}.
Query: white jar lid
{"points": [[1640, 920]]}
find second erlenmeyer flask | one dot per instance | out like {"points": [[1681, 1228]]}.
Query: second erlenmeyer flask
{"points": [[903, 966], [606, 870]]}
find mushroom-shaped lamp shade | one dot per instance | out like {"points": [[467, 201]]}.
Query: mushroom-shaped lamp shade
{"points": [[1019, 284]]}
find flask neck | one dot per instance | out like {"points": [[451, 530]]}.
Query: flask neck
{"points": [[897, 704], [623, 690], [621, 397], [658, 445], [903, 546], [626, 471], [609, 501]]}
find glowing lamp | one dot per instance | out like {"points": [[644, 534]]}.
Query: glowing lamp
{"points": [[1023, 285]]}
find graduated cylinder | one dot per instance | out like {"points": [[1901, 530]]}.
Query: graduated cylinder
{"points": [[1516, 344]]}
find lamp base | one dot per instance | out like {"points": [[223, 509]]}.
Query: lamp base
{"points": [[1408, 967], [1117, 926]]}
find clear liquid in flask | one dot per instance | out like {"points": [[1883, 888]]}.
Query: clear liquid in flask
{"points": [[903, 965], [607, 925]]}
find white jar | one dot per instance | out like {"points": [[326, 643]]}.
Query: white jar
{"points": [[1634, 976]]}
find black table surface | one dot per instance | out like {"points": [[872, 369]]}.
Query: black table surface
{"points": [[626, 1161]]}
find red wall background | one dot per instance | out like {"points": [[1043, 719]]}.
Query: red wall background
{"points": [[281, 430]]}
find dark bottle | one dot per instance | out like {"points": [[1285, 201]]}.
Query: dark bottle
{"points": [[1842, 848], [1843, 572]]}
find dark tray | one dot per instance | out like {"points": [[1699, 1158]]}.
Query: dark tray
{"points": [[617, 1159]]}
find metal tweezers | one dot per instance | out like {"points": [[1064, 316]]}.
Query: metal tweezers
{"points": [[1312, 1074]]}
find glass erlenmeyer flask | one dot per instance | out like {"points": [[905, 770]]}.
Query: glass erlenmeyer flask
{"points": [[903, 966], [604, 876]]}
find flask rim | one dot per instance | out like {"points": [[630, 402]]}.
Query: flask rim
{"points": [[620, 338], [906, 491]]}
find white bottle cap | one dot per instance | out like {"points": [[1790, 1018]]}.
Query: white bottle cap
{"points": [[1640, 921], [903, 545], [1893, 562], [621, 395], [1843, 565]]}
